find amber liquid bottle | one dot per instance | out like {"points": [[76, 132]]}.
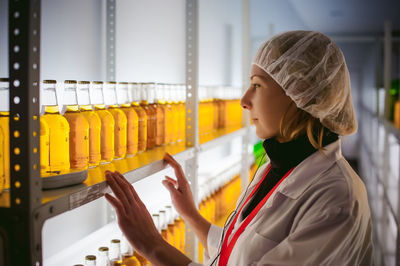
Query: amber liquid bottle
{"points": [[169, 115], [134, 88], [79, 127], [151, 116], [4, 135], [120, 135], [58, 156], [107, 122], [154, 102], [175, 112], [94, 122], [132, 129], [182, 112], [128, 256]]}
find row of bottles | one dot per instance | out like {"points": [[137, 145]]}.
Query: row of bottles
{"points": [[171, 227], [217, 204], [95, 123], [102, 122], [219, 108], [119, 254]]}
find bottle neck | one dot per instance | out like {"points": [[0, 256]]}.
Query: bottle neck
{"points": [[86, 107], [51, 109], [72, 108], [99, 106], [115, 251]]}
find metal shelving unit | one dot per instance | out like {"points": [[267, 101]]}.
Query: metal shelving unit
{"points": [[26, 207]]}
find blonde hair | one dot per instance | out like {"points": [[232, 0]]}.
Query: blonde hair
{"points": [[300, 123]]}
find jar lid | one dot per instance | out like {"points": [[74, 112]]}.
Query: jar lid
{"points": [[68, 81], [90, 257], [49, 81]]}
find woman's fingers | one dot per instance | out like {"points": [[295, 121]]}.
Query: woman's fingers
{"points": [[116, 204], [180, 176], [127, 185], [173, 181], [118, 192]]}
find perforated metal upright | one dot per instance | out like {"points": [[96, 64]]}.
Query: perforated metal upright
{"points": [[192, 113], [19, 241]]}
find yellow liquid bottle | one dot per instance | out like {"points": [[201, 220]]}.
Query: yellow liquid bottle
{"points": [[158, 104], [169, 115], [58, 157], [134, 88], [4, 135], [115, 253], [44, 147], [107, 122], [121, 122], [128, 256], [182, 112], [176, 113], [164, 226], [94, 121], [79, 127], [151, 116], [132, 117], [170, 226]]}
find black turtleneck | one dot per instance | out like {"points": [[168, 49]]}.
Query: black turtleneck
{"points": [[283, 157]]}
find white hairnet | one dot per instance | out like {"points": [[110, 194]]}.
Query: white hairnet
{"points": [[312, 71]]}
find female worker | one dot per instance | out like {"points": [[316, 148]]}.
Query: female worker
{"points": [[305, 206]]}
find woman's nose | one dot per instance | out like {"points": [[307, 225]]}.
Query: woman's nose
{"points": [[245, 102]]}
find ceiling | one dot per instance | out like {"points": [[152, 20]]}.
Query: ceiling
{"points": [[333, 17]]}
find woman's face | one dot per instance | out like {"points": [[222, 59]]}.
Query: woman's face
{"points": [[267, 103]]}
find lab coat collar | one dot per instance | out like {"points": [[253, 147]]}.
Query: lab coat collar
{"points": [[309, 170]]}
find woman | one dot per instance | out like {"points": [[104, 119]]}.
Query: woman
{"points": [[306, 206]]}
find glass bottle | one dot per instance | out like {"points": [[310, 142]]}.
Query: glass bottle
{"points": [[110, 97], [161, 105], [107, 122], [115, 253], [169, 115], [170, 225], [151, 116], [182, 112], [4, 134], [58, 130], [44, 147], [79, 127], [94, 122], [131, 116], [175, 108], [128, 257], [157, 103], [102, 259], [90, 260], [134, 89]]}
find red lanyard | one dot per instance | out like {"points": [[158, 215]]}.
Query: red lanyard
{"points": [[226, 248]]}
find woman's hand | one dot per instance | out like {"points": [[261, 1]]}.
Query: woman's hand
{"points": [[133, 217], [180, 191]]}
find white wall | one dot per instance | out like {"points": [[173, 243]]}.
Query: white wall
{"points": [[150, 41], [3, 38], [71, 40], [220, 42]]}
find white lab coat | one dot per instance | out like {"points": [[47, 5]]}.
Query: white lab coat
{"points": [[319, 215]]}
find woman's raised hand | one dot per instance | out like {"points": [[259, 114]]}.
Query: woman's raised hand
{"points": [[133, 217], [179, 189]]}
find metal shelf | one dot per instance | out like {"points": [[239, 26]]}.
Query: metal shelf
{"points": [[57, 201], [134, 169], [221, 137]]}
